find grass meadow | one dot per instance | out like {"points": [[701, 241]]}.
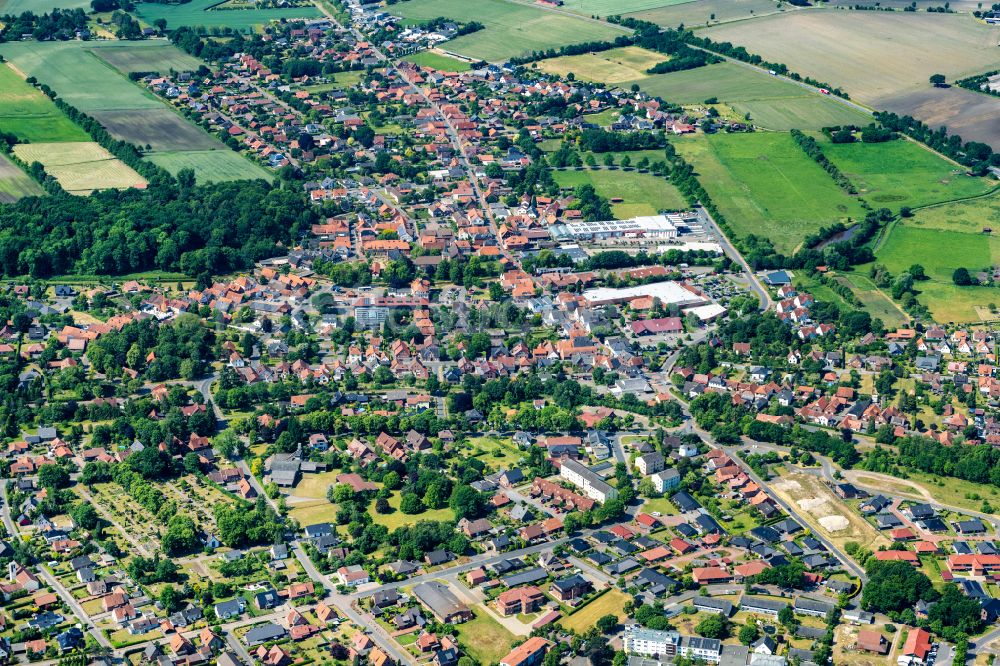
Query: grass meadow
{"points": [[941, 239], [641, 193], [628, 63], [31, 116], [771, 102], [764, 184], [902, 173], [438, 61], [511, 28], [15, 184], [199, 13]]}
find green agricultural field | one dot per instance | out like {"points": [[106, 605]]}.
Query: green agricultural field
{"points": [[511, 28], [708, 12], [27, 113], [628, 63], [16, 7], [439, 61], [903, 173], [771, 102], [78, 75], [147, 56], [15, 184], [199, 13], [640, 193], [764, 184], [211, 166], [85, 74], [609, 7]]}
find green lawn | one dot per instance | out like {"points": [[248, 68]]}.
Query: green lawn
{"points": [[511, 28], [660, 505], [604, 118], [211, 166], [771, 102], [485, 639], [764, 184], [902, 173], [641, 193], [611, 602], [399, 519], [27, 113], [200, 13], [438, 61]]}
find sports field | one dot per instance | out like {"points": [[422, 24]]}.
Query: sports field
{"points": [[941, 239], [902, 173], [14, 183], [628, 63], [771, 102], [640, 193], [438, 61], [27, 113], [86, 75], [511, 28], [764, 184], [882, 59], [704, 12], [199, 13], [80, 167], [147, 56]]}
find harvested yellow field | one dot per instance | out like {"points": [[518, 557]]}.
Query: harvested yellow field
{"points": [[80, 166], [628, 63]]}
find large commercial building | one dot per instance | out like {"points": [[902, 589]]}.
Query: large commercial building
{"points": [[587, 481], [668, 293], [660, 227]]}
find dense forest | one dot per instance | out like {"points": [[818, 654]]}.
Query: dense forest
{"points": [[172, 226]]}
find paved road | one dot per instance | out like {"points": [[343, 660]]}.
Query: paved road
{"points": [[344, 605], [74, 605], [465, 566], [762, 294]]}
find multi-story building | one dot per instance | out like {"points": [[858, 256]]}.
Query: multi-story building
{"points": [[587, 481]]}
